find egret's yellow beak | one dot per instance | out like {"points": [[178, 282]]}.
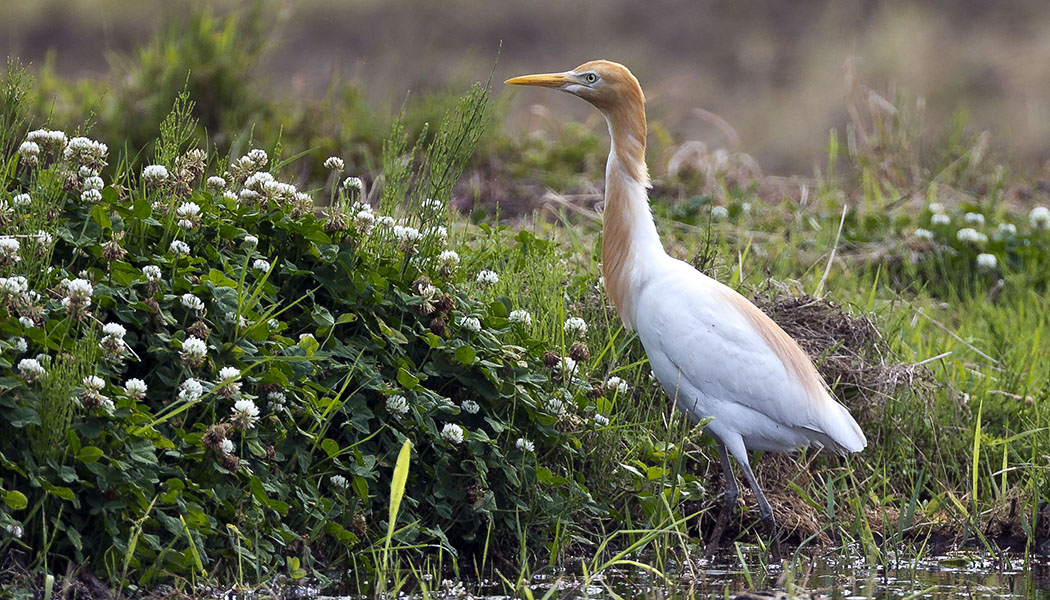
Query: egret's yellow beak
{"points": [[551, 80]]}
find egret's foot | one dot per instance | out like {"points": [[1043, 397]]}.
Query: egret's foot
{"points": [[720, 529], [774, 539]]}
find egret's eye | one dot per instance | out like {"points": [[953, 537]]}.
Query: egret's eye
{"points": [[590, 78]]}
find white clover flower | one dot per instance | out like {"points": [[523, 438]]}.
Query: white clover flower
{"points": [[91, 196], [440, 232], [521, 317], [452, 433], [20, 345], [925, 234], [245, 413], [936, 207], [471, 407], [86, 152], [9, 250], [432, 205], [525, 445], [1007, 229], [13, 286], [259, 157], [601, 420], [385, 220], [135, 389], [29, 150], [334, 163], [276, 397], [261, 265], [471, 324], [1039, 217], [152, 272], [449, 257], [986, 261], [191, 390], [226, 446], [940, 219], [353, 183], [188, 214], [94, 183], [114, 330], [30, 369], [566, 366], [397, 406], [194, 350], [21, 200], [250, 241], [94, 383], [179, 248], [26, 322], [364, 220], [230, 195], [616, 383], [229, 373], [192, 302], [14, 530], [575, 326], [339, 481], [967, 234], [87, 172], [555, 406], [216, 183], [78, 296], [408, 236], [719, 213], [273, 323], [486, 277], [974, 218]]}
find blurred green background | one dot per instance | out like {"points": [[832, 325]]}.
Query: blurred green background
{"points": [[777, 73]]}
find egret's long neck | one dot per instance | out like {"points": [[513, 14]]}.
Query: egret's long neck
{"points": [[630, 240]]}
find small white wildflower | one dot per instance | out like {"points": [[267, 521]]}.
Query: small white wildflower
{"points": [[135, 389], [152, 272], [91, 196], [194, 350], [521, 317], [339, 481], [21, 200], [397, 406], [179, 248], [925, 234], [192, 302], [94, 183], [29, 150], [452, 433], [30, 369], [261, 265], [1039, 217], [1007, 229], [229, 373], [525, 445], [250, 241], [258, 157], [719, 213], [601, 420], [14, 530], [13, 286], [20, 345], [353, 183], [986, 261], [334, 163], [967, 234], [226, 446], [273, 323], [471, 324], [230, 195], [385, 220], [471, 407], [94, 383], [9, 250], [575, 326], [974, 218], [940, 219], [114, 330], [245, 413], [407, 236], [936, 207], [188, 214], [566, 366], [216, 183], [86, 152], [26, 322], [364, 220], [486, 277], [449, 257], [432, 205], [616, 383], [440, 232], [87, 172]]}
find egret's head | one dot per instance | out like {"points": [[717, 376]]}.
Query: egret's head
{"points": [[607, 85]]}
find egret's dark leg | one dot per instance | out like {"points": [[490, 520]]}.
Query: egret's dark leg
{"points": [[732, 491], [764, 510]]}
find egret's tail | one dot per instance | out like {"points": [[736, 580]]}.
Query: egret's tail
{"points": [[842, 428]]}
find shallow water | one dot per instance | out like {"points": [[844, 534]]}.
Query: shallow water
{"points": [[951, 575]]}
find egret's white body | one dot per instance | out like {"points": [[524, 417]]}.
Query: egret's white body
{"points": [[713, 351]]}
